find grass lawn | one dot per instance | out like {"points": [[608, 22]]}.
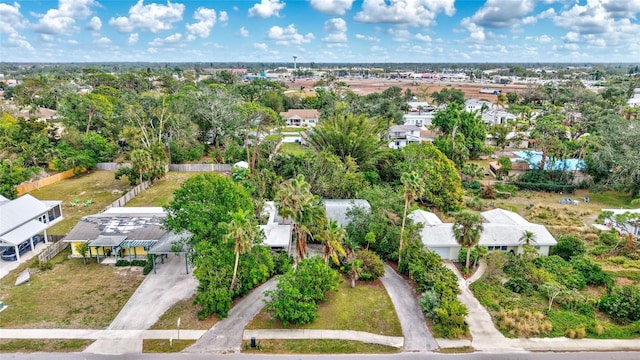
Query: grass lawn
{"points": [[99, 186], [292, 148], [49, 345], [188, 314], [161, 192], [367, 307], [71, 295], [318, 346], [164, 346], [292, 129]]}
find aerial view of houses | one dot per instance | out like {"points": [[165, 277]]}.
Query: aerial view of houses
{"points": [[183, 179]]}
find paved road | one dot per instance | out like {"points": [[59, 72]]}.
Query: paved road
{"points": [[401, 356], [226, 335], [416, 335], [157, 293]]}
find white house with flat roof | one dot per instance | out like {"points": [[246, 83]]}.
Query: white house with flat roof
{"points": [[503, 231], [24, 218]]}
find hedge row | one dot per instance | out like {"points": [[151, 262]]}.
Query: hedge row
{"points": [[548, 187]]}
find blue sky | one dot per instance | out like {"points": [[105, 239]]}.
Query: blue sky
{"points": [[320, 30]]}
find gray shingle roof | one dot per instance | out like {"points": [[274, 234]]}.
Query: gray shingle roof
{"points": [[134, 226]]}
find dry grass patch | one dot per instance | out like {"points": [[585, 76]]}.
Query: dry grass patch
{"points": [[318, 346], [367, 307], [99, 186], [161, 192], [49, 345], [71, 295], [187, 311], [523, 323]]}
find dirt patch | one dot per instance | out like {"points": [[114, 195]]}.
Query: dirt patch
{"points": [[621, 281]]}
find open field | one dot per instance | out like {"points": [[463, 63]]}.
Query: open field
{"points": [[99, 186], [70, 295], [161, 192], [318, 346], [367, 307]]}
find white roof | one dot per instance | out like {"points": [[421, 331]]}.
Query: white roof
{"points": [[425, 217], [241, 164], [276, 236], [22, 233], [337, 209], [622, 211], [19, 211], [501, 216]]}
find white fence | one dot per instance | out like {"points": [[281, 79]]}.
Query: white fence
{"points": [[129, 195], [200, 167], [111, 166]]}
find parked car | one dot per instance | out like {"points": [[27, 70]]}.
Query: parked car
{"points": [[10, 253]]}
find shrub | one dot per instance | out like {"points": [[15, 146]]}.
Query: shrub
{"points": [[282, 263], [599, 250], [138, 262], [476, 204], [428, 303], [123, 262], [450, 319], [577, 333], [372, 265], [623, 304], [564, 273], [44, 266], [523, 323], [609, 238], [592, 272], [489, 192], [568, 247], [518, 285]]}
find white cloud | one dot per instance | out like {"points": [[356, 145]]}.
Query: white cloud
{"points": [[171, 39], [336, 29], [223, 17], [376, 48], [11, 19], [243, 32], [153, 17], [206, 20], [261, 46], [476, 33], [73, 42], [18, 41], [399, 35], [425, 38], [407, 12], [367, 38], [266, 8], [544, 39], [95, 24], [571, 37], [331, 7], [103, 41], [502, 13], [62, 20], [288, 36], [133, 39]]}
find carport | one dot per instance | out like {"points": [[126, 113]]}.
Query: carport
{"points": [[171, 243], [25, 232]]}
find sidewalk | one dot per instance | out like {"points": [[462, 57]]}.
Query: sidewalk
{"points": [[93, 334], [395, 341]]}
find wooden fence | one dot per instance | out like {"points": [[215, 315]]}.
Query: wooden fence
{"points": [[52, 250], [27, 187], [129, 195]]}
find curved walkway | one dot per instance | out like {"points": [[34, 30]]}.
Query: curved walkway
{"points": [[484, 333], [416, 335]]}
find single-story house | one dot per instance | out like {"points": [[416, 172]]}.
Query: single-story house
{"points": [[503, 230], [301, 117], [127, 233], [277, 230], [26, 217]]}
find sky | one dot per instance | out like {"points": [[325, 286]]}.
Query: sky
{"points": [[321, 31]]}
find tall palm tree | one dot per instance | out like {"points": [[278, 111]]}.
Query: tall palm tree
{"points": [[241, 230], [141, 160], [310, 220], [332, 237], [292, 197], [414, 188], [528, 237], [467, 229]]}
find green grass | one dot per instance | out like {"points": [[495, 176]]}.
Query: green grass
{"points": [[99, 186], [164, 346], [273, 137], [49, 345], [564, 320], [292, 148], [293, 129], [633, 275], [318, 346], [71, 295], [612, 199], [188, 314], [367, 307], [161, 192]]}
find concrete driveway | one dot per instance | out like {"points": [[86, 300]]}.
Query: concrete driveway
{"points": [[7, 266], [416, 335]]}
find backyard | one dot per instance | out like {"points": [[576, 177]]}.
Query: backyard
{"points": [[161, 192]]}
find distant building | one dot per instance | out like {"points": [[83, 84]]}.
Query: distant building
{"points": [[402, 135], [634, 100], [301, 117]]}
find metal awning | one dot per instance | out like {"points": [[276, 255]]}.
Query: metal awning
{"points": [[23, 232], [166, 243], [107, 241], [138, 243]]}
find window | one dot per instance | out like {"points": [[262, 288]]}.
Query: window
{"points": [[503, 248]]}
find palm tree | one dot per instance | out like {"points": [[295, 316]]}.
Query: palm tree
{"points": [[332, 236], [355, 271], [241, 231], [309, 220], [414, 188], [141, 160], [292, 197], [527, 238], [467, 229]]}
